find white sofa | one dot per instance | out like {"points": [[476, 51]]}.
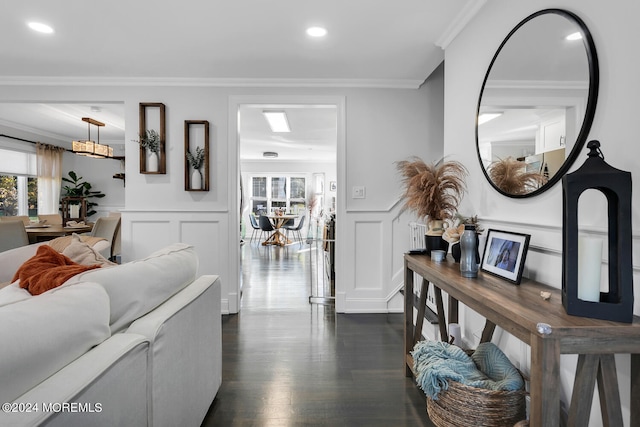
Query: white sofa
{"points": [[139, 344]]}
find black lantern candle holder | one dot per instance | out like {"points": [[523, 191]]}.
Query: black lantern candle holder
{"points": [[617, 303]]}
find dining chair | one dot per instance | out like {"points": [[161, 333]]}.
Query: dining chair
{"points": [[51, 219], [265, 225], [295, 229], [12, 235], [254, 225], [22, 218], [107, 227]]}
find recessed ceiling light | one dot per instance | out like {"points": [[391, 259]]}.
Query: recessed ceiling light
{"points": [[574, 36], [277, 120], [40, 27], [316, 31]]}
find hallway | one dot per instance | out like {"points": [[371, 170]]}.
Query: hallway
{"points": [[286, 362]]}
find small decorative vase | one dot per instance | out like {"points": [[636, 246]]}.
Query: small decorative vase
{"points": [[433, 237], [469, 250], [196, 180], [436, 227], [152, 162], [456, 252]]}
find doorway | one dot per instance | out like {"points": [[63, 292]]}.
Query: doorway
{"points": [[287, 171]]}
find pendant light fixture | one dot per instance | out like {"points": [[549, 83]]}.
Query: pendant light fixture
{"points": [[90, 148]]}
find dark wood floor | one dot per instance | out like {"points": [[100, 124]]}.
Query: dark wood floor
{"points": [[286, 362]]}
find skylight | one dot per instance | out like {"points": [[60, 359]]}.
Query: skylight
{"points": [[277, 120]]}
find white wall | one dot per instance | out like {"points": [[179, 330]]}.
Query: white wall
{"points": [[382, 126], [376, 235], [467, 59], [99, 173]]}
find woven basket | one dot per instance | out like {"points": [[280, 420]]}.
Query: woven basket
{"points": [[461, 405]]}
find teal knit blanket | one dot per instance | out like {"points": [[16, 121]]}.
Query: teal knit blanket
{"points": [[436, 363]]}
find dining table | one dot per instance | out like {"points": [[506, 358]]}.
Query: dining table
{"points": [[277, 237], [42, 232]]}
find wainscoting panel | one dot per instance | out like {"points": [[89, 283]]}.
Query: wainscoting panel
{"points": [[369, 255], [370, 261], [205, 236], [144, 232], [147, 237]]}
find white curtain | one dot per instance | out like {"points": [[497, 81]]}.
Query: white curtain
{"points": [[49, 159]]}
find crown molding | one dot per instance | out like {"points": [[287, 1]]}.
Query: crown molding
{"points": [[209, 82], [459, 22]]}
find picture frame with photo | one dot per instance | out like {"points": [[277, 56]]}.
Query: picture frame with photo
{"points": [[504, 254]]}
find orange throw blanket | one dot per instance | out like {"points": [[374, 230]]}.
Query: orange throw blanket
{"points": [[47, 269]]}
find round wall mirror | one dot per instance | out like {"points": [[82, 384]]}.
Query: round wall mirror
{"points": [[537, 103]]}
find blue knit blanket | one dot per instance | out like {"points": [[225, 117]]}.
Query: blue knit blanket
{"points": [[436, 363]]}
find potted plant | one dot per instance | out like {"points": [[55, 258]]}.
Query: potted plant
{"points": [[196, 161], [433, 191], [80, 188], [150, 141], [511, 176]]}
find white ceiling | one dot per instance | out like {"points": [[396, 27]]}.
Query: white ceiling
{"points": [[375, 43]]}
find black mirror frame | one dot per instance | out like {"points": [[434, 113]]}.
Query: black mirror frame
{"points": [[594, 80]]}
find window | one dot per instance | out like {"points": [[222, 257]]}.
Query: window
{"points": [[279, 188], [259, 198], [297, 188], [277, 192], [259, 186], [18, 183]]}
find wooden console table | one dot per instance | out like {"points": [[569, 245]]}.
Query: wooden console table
{"points": [[545, 326]]}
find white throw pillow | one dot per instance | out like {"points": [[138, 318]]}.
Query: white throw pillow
{"points": [[42, 334], [82, 253], [137, 287]]}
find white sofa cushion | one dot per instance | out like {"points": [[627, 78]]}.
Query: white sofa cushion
{"points": [[137, 287], [113, 375], [42, 334], [13, 293]]}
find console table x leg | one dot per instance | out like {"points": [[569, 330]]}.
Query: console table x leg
{"points": [[592, 368]]}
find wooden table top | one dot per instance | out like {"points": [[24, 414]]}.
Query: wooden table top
{"points": [[284, 216], [56, 229], [520, 308]]}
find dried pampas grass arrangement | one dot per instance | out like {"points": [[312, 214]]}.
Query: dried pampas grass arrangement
{"points": [[510, 176], [432, 190]]}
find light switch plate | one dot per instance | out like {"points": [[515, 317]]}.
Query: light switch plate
{"points": [[357, 192]]}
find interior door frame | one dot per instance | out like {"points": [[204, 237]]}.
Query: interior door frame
{"points": [[235, 101]]}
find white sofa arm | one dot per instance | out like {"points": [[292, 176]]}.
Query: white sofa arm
{"points": [[108, 384], [12, 259], [185, 357]]}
